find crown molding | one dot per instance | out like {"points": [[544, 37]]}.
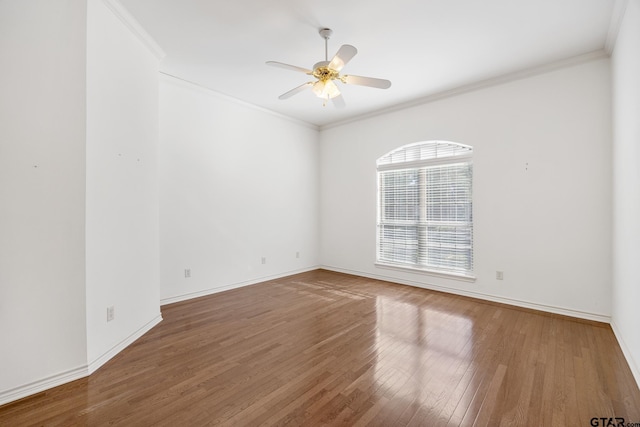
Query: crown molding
{"points": [[617, 15], [494, 81], [136, 29], [210, 92]]}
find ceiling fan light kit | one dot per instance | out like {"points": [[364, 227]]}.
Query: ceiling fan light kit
{"points": [[327, 72]]}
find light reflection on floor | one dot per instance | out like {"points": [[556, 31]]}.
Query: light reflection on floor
{"points": [[409, 337]]}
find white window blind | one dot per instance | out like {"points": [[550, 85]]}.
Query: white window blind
{"points": [[425, 217]]}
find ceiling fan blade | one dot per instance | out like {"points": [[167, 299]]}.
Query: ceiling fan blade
{"points": [[289, 67], [344, 55], [366, 81], [338, 101], [295, 90]]}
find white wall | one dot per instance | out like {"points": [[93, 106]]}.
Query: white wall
{"points": [[122, 184], [236, 184], [546, 225], [626, 185], [42, 193]]}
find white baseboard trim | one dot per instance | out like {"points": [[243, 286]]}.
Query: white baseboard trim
{"points": [[113, 351], [210, 291], [487, 297], [38, 386], [23, 391], [633, 365]]}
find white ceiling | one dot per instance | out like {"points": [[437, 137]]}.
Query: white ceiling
{"points": [[423, 46]]}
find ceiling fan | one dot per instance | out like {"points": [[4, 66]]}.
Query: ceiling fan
{"points": [[327, 72]]}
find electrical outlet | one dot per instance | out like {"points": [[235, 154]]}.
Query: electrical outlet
{"points": [[499, 275], [187, 273], [297, 254], [264, 260], [110, 313]]}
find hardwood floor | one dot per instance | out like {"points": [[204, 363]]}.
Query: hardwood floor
{"points": [[324, 348]]}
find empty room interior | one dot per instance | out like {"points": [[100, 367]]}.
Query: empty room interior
{"points": [[205, 219]]}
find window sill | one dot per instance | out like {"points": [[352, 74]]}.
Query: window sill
{"points": [[436, 273]]}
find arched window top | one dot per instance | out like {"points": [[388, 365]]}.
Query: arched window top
{"points": [[425, 218], [425, 152]]}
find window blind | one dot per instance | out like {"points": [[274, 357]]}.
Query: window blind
{"points": [[425, 216]]}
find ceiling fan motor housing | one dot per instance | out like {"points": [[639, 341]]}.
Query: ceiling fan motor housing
{"points": [[322, 72]]}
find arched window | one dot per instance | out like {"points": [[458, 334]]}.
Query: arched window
{"points": [[425, 217]]}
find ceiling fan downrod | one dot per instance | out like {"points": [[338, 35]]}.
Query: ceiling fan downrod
{"points": [[325, 33]]}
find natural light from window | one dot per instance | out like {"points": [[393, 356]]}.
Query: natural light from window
{"points": [[425, 215]]}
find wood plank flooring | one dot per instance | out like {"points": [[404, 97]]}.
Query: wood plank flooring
{"points": [[323, 348]]}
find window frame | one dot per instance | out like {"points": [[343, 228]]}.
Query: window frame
{"points": [[420, 156]]}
